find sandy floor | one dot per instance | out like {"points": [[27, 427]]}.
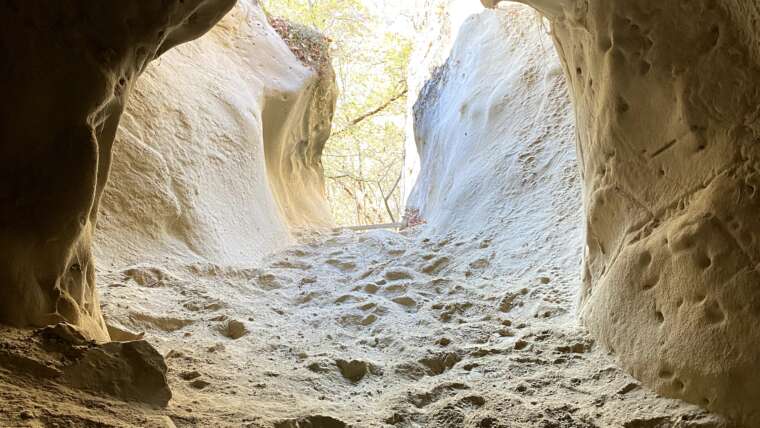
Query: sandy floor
{"points": [[362, 329]]}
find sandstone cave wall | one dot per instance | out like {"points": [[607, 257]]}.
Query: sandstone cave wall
{"points": [[216, 159], [666, 96], [67, 71], [218, 153], [437, 23], [493, 149]]}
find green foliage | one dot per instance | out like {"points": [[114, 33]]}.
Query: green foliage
{"points": [[363, 159]]}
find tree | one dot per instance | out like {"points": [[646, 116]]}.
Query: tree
{"points": [[364, 157]]}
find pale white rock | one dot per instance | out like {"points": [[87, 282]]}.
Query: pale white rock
{"points": [[217, 155], [494, 129], [438, 23]]}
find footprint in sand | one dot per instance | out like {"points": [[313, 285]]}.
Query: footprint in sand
{"points": [[345, 266], [305, 298], [291, 264], [308, 280], [348, 298], [357, 320], [395, 289], [148, 276], [200, 306], [368, 306], [168, 324], [479, 264], [371, 288], [398, 275], [450, 310], [268, 281], [356, 370], [299, 253], [438, 364], [405, 301], [436, 266], [317, 421], [424, 399], [512, 300]]}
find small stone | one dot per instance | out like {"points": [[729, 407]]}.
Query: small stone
{"points": [[199, 384], [233, 329], [354, 370], [190, 375], [174, 354], [628, 388]]}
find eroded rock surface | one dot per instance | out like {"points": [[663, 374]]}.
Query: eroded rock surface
{"points": [[495, 140], [132, 371], [217, 157], [61, 354], [666, 97], [68, 68], [218, 154], [339, 345]]}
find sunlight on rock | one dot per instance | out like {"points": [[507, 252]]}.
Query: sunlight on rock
{"points": [[355, 213]]}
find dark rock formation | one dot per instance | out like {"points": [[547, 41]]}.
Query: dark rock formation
{"points": [[132, 371], [67, 70], [62, 355]]}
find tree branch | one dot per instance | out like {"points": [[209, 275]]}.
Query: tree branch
{"points": [[395, 185], [371, 113]]}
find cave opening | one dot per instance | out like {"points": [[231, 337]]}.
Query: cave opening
{"points": [[368, 44], [592, 153]]}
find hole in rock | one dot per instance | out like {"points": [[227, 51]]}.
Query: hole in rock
{"points": [[350, 213]]}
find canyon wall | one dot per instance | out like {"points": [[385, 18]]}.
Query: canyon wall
{"points": [[666, 96], [218, 154], [437, 23], [216, 159], [492, 152]]}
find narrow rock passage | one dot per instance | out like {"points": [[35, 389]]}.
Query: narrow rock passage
{"points": [[379, 329], [216, 156]]}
